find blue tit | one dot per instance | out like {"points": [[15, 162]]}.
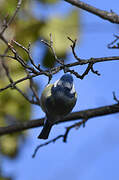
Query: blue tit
{"points": [[57, 100]]}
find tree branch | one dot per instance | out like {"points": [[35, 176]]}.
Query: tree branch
{"points": [[110, 16], [58, 68], [63, 136], [85, 114], [12, 18], [115, 43], [46, 143]]}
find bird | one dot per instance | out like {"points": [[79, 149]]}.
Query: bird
{"points": [[57, 100]]}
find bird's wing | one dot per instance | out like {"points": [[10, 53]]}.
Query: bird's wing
{"points": [[44, 96]]}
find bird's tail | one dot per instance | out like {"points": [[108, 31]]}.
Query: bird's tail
{"points": [[45, 131]]}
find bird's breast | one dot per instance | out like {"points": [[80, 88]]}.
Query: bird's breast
{"points": [[60, 104]]}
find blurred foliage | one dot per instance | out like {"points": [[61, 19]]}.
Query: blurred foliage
{"points": [[9, 145], [48, 1], [60, 28], [49, 59], [5, 178], [27, 28]]}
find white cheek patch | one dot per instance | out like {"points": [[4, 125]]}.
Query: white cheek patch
{"points": [[72, 90], [55, 84], [68, 85]]}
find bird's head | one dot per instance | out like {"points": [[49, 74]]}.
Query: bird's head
{"points": [[66, 82]]}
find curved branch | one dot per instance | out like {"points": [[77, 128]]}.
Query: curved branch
{"points": [[58, 68], [110, 16], [85, 114]]}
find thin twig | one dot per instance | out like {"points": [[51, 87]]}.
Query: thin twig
{"points": [[50, 45], [73, 48], [12, 82], [76, 125], [112, 44], [18, 58], [110, 16], [63, 136], [11, 85], [13, 17], [5, 66], [28, 53], [115, 98], [95, 71], [31, 101], [44, 144]]}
